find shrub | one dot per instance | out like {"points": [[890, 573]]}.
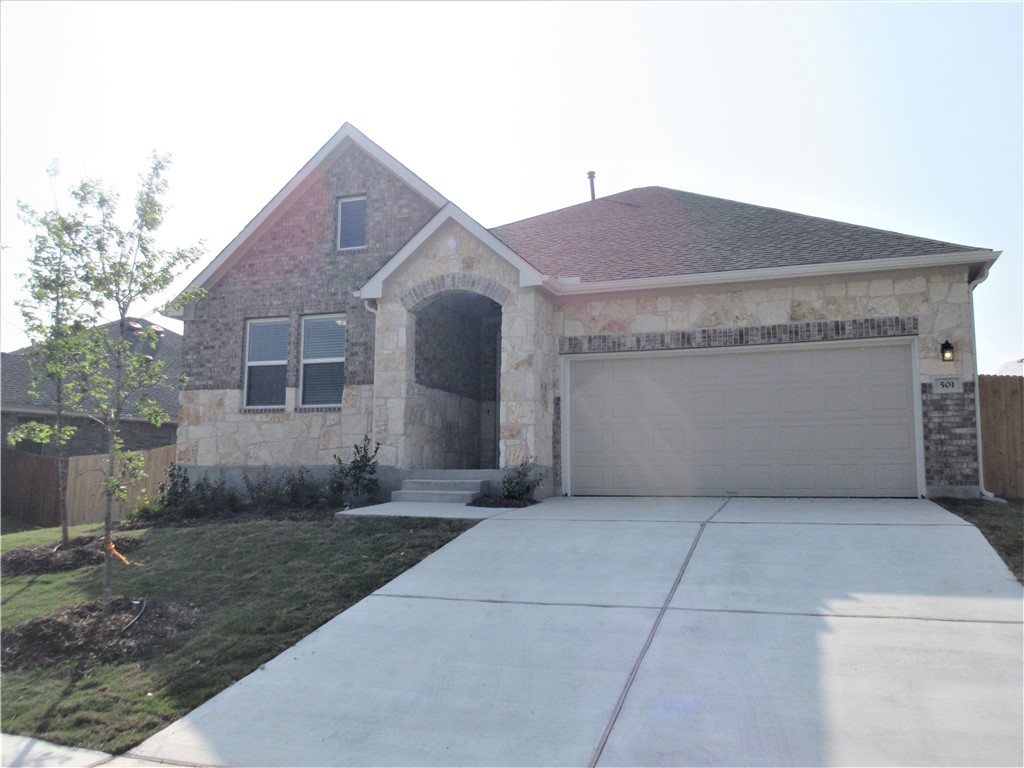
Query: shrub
{"points": [[180, 499], [355, 482], [263, 491], [303, 490], [337, 483], [518, 483]]}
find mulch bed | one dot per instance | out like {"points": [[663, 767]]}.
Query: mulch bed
{"points": [[77, 553], [135, 629]]}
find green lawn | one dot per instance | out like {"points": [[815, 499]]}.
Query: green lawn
{"points": [[259, 587]]}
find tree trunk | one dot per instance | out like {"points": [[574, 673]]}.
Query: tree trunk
{"points": [[108, 517], [62, 489]]}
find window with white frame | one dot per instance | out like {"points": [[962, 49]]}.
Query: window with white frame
{"points": [[351, 223], [266, 363], [323, 359]]}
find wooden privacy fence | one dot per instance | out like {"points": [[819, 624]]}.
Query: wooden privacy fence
{"points": [[1001, 402], [30, 486]]}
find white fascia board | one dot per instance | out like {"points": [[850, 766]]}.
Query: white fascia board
{"points": [[571, 286], [374, 287], [346, 135]]}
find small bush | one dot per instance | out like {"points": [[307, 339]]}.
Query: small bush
{"points": [[180, 499], [518, 483], [337, 484], [264, 492], [355, 482], [303, 490]]}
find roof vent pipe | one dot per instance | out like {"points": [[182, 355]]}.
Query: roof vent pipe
{"points": [[590, 175]]}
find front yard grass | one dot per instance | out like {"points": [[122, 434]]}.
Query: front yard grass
{"points": [[255, 588], [1002, 524]]}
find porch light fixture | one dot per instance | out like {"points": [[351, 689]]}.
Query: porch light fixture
{"points": [[946, 351]]}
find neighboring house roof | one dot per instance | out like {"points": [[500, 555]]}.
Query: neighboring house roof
{"points": [[16, 377], [348, 135], [1012, 368], [654, 232]]}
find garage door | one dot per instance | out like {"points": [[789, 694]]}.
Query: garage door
{"points": [[807, 421]]}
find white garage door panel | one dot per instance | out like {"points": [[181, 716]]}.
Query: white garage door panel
{"points": [[836, 421]]}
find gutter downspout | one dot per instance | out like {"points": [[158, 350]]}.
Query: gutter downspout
{"points": [[366, 303], [982, 276]]}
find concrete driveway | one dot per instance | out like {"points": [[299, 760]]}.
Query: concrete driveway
{"points": [[646, 631]]}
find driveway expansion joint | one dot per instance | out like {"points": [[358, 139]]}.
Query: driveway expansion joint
{"points": [[650, 639], [498, 601], [820, 615]]}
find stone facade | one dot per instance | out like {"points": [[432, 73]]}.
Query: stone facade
{"points": [[216, 431], [936, 301], [931, 305], [453, 261], [458, 364]]}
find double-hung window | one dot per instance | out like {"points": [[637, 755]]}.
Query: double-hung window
{"points": [[266, 363], [323, 359], [351, 223]]}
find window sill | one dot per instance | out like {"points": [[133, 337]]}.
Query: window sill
{"points": [[317, 408], [261, 409]]}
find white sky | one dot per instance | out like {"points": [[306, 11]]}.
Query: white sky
{"points": [[903, 116]]}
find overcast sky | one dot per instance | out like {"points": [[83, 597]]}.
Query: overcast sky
{"points": [[906, 116]]}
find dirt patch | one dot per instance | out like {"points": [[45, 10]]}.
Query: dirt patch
{"points": [[135, 629], [77, 553], [493, 501], [1002, 523]]}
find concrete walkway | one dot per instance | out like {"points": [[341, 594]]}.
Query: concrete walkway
{"points": [[648, 632]]}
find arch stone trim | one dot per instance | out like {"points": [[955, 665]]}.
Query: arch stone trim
{"points": [[455, 281]]}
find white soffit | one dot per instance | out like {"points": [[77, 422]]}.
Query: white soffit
{"points": [[347, 135], [374, 287]]}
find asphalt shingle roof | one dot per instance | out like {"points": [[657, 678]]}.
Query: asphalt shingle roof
{"points": [[657, 232], [16, 377]]}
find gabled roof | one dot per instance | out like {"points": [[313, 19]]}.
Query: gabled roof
{"points": [[16, 376], [653, 232], [374, 288], [348, 135]]}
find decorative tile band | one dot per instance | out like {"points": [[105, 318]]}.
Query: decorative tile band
{"points": [[706, 338]]}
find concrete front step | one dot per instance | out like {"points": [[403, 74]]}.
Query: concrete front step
{"points": [[456, 491], [457, 497], [431, 484]]}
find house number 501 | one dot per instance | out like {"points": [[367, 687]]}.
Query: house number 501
{"points": [[949, 385]]}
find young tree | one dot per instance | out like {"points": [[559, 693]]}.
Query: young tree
{"points": [[125, 267], [57, 312], [85, 264]]}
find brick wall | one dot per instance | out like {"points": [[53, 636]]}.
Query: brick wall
{"points": [[778, 333], [294, 269], [950, 436], [448, 351]]}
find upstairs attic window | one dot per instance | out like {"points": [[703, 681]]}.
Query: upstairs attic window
{"points": [[351, 223]]}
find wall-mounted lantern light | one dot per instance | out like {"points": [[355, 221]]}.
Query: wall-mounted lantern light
{"points": [[946, 350]]}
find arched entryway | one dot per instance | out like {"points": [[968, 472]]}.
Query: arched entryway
{"points": [[457, 348]]}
